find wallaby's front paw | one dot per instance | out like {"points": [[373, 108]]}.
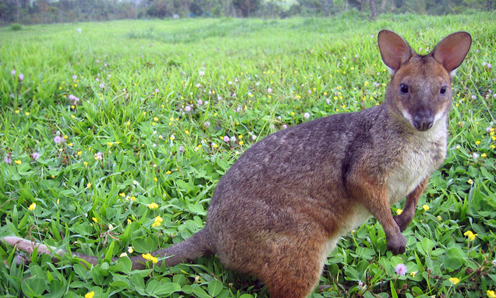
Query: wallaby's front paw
{"points": [[396, 244], [401, 222]]}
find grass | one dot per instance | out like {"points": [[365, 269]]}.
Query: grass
{"points": [[153, 132]]}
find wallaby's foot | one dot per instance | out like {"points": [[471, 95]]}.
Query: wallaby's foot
{"points": [[396, 244]]}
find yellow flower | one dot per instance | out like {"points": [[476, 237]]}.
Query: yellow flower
{"points": [[168, 172], [27, 113], [470, 235], [241, 142], [491, 294], [483, 155], [454, 280], [477, 143], [130, 249], [426, 208], [109, 144], [413, 273], [158, 221], [18, 162], [155, 118], [32, 207], [79, 152], [399, 211], [155, 178], [90, 294], [123, 255], [88, 185], [122, 194], [470, 181], [172, 138], [149, 257], [85, 164], [95, 219], [152, 205]]}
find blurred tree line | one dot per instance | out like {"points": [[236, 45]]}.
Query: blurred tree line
{"points": [[51, 11]]}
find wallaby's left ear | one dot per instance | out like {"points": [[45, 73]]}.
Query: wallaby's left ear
{"points": [[451, 51]]}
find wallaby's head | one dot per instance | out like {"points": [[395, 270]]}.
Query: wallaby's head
{"points": [[420, 87]]}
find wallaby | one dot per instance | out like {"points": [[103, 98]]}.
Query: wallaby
{"points": [[281, 208]]}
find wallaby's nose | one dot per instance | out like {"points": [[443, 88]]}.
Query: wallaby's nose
{"points": [[423, 120]]}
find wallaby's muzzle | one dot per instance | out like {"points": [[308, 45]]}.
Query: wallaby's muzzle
{"points": [[423, 120]]}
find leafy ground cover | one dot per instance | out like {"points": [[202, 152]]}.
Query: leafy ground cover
{"points": [[113, 136]]}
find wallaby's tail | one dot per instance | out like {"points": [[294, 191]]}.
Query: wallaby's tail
{"points": [[198, 245], [190, 249]]}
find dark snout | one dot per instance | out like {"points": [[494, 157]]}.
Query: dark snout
{"points": [[423, 120]]}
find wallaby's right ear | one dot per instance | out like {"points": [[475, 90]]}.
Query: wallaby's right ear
{"points": [[394, 50]]}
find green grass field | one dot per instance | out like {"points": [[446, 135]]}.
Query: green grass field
{"points": [[100, 120]]}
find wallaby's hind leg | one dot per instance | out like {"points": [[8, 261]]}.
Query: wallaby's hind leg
{"points": [[295, 272]]}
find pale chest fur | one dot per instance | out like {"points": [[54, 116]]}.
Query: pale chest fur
{"points": [[424, 153]]}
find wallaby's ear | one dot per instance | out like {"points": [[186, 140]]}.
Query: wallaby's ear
{"points": [[451, 51], [394, 49]]}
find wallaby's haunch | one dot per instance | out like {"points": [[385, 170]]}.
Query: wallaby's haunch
{"points": [[281, 208]]}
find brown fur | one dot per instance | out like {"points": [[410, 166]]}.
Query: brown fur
{"points": [[281, 208]]}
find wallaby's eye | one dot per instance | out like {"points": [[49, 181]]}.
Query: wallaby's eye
{"points": [[403, 88], [443, 90]]}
